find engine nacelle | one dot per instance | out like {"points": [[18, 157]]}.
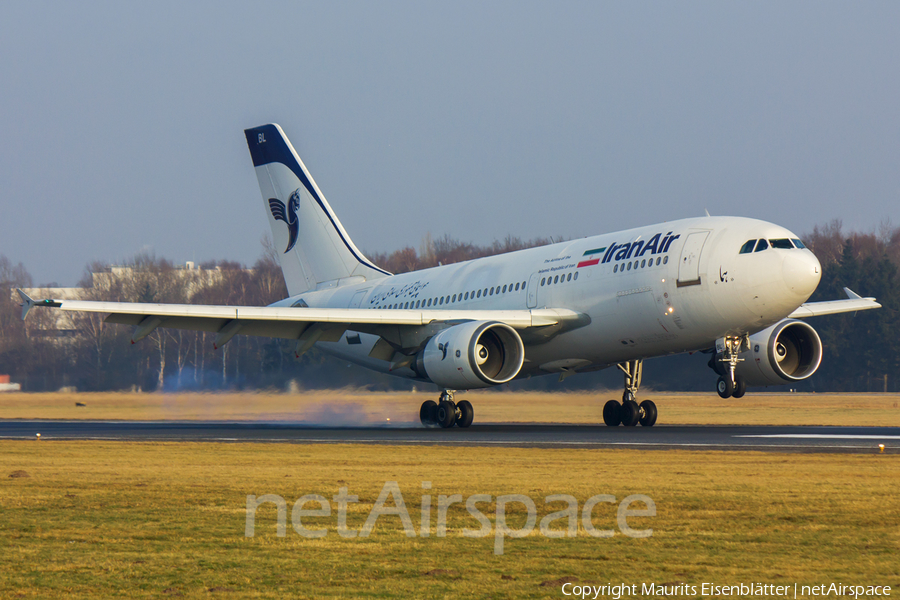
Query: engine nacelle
{"points": [[472, 355], [788, 351]]}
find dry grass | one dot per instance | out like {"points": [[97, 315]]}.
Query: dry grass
{"points": [[401, 408], [104, 519]]}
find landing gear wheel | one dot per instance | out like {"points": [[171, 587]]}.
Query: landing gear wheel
{"points": [[466, 414], [631, 413], [446, 414], [612, 413], [725, 387], [740, 388], [428, 413], [648, 413]]}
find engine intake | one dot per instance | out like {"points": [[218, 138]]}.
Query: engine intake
{"points": [[472, 355], [788, 351]]}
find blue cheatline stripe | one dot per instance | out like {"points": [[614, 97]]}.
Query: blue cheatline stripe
{"points": [[595, 251], [276, 149]]}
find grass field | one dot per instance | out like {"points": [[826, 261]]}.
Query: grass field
{"points": [[357, 407], [136, 520]]}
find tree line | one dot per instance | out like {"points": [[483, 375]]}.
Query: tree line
{"points": [[861, 350]]}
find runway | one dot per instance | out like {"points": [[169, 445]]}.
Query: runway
{"points": [[692, 437]]}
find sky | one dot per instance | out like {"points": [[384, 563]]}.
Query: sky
{"points": [[122, 123]]}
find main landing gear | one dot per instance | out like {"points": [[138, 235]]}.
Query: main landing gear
{"points": [[629, 412], [446, 413], [724, 363]]}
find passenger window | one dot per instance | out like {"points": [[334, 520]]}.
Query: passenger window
{"points": [[429, 302], [747, 248], [666, 259], [485, 291], [504, 289], [761, 245], [417, 303], [798, 243], [543, 279], [657, 261], [556, 279], [576, 275], [492, 292], [517, 287], [479, 293], [569, 278], [616, 269], [629, 266], [782, 244], [642, 263]]}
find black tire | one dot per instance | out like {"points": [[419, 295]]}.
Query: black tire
{"points": [[446, 414], [428, 413], [648, 413], [740, 388], [612, 413], [466, 414], [716, 365], [725, 387], [631, 413]]}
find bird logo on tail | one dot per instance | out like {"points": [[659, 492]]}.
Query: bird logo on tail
{"points": [[288, 215]]}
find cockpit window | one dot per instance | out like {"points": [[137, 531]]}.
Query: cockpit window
{"points": [[747, 248], [798, 243], [761, 245], [782, 244]]}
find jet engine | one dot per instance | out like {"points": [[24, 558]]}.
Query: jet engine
{"points": [[788, 351], [472, 355]]}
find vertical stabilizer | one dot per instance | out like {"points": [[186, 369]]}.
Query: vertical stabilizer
{"points": [[315, 250]]}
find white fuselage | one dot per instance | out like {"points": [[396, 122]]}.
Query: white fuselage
{"points": [[651, 291]]}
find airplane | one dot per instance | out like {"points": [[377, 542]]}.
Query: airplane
{"points": [[730, 286]]}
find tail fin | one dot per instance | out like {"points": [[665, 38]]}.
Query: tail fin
{"points": [[317, 252]]}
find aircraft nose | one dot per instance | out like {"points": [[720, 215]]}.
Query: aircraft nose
{"points": [[802, 272]]}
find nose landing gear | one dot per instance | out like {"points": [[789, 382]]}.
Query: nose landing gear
{"points": [[446, 413], [724, 363], [629, 412]]}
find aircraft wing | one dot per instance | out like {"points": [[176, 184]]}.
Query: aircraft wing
{"points": [[853, 303], [313, 324]]}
